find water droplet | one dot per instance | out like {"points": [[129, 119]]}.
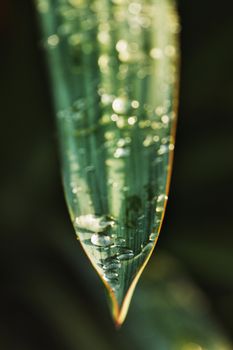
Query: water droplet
{"points": [[109, 135], [120, 105], [121, 143], [156, 53], [114, 117], [122, 152], [53, 40], [163, 149], [103, 62], [135, 104], [76, 190], [159, 209], [105, 119], [120, 123], [121, 45], [132, 120], [111, 274], [160, 110], [112, 265], [103, 37], [149, 140], [106, 99], [93, 223], [153, 236], [162, 198], [101, 240], [165, 119], [125, 254], [147, 248], [144, 124]]}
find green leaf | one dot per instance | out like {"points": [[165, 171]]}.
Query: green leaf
{"points": [[113, 68]]}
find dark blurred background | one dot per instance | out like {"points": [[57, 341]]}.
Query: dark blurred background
{"points": [[49, 297]]}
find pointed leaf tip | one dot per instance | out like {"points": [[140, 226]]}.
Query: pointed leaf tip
{"points": [[114, 81]]}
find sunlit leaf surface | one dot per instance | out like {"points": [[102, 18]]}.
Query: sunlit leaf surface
{"points": [[113, 67]]}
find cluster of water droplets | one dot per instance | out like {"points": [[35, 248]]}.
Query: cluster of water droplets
{"points": [[99, 238], [115, 79]]}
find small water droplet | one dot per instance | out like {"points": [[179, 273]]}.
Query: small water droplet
{"points": [[132, 120], [162, 198], [121, 46], [114, 117], [53, 40], [103, 37], [122, 152], [144, 124], [165, 119], [160, 110], [159, 209], [163, 149], [135, 104], [106, 99], [156, 53], [149, 140], [153, 236], [147, 248]]}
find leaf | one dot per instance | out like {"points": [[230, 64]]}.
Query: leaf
{"points": [[113, 68]]}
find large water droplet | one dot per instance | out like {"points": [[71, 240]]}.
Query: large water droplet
{"points": [[101, 240], [125, 254], [93, 223]]}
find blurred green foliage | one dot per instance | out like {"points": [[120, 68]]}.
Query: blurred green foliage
{"points": [[50, 297]]}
